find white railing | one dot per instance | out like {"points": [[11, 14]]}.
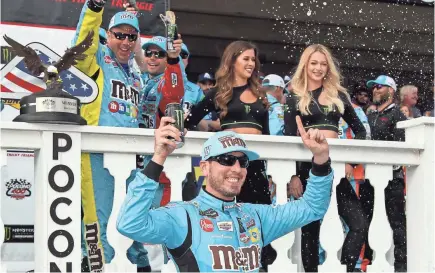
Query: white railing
{"points": [[58, 147]]}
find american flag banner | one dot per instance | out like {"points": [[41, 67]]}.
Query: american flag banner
{"points": [[16, 78]]}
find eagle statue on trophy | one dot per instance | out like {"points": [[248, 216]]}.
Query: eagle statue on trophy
{"points": [[50, 73]]}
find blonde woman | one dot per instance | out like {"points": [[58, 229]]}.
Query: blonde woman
{"points": [[320, 100]]}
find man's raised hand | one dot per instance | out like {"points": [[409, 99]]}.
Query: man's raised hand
{"points": [[177, 46], [163, 146], [315, 141]]}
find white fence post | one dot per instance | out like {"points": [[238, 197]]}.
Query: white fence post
{"points": [[176, 168], [420, 202], [281, 172], [331, 230], [380, 231], [120, 167], [58, 202]]}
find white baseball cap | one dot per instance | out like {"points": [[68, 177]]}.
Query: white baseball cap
{"points": [[273, 80], [383, 80]]}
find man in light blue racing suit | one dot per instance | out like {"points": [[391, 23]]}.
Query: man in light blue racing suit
{"points": [[274, 85], [192, 92], [213, 232]]}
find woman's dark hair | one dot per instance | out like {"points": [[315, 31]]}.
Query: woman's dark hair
{"points": [[225, 76]]}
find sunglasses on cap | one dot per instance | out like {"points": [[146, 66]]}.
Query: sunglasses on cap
{"points": [[230, 160], [158, 54], [122, 36], [379, 86], [184, 55]]}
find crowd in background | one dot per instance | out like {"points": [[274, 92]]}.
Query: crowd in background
{"points": [[406, 97]]}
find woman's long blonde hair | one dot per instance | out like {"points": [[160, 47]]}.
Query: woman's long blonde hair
{"points": [[225, 76], [331, 82]]}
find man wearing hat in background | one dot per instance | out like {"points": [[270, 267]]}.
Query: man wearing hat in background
{"points": [[383, 125], [275, 85], [161, 86], [192, 92], [360, 96], [206, 81], [211, 120], [117, 102], [202, 235], [158, 68]]}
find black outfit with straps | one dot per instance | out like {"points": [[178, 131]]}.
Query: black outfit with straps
{"points": [[240, 114], [323, 118], [255, 190]]}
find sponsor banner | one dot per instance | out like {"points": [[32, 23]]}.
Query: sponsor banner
{"points": [[19, 234], [66, 13], [17, 205]]}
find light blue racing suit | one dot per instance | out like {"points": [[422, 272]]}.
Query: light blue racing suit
{"points": [[276, 116], [211, 235], [192, 95]]}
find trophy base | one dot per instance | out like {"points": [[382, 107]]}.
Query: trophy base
{"points": [[52, 118]]}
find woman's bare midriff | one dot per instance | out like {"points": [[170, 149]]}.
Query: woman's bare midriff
{"points": [[329, 133], [250, 131]]}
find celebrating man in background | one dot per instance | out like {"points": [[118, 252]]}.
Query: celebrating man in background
{"points": [[116, 105]]}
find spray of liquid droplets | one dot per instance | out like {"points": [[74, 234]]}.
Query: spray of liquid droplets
{"points": [[365, 36]]}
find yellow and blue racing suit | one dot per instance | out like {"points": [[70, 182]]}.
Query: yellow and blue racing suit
{"points": [[116, 104]]}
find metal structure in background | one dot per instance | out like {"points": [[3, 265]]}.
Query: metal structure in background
{"points": [[367, 37], [66, 13]]}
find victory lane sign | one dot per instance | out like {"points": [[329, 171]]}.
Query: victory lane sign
{"points": [[58, 203], [65, 13]]}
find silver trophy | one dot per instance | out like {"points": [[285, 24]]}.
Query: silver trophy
{"points": [[171, 29]]}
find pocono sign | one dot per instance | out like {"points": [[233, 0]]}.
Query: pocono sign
{"points": [[61, 208]]}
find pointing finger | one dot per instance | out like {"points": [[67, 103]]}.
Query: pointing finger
{"points": [[301, 128]]}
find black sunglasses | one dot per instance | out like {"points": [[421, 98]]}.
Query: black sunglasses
{"points": [[157, 54], [378, 86], [103, 41], [184, 55], [122, 36], [230, 160]]}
